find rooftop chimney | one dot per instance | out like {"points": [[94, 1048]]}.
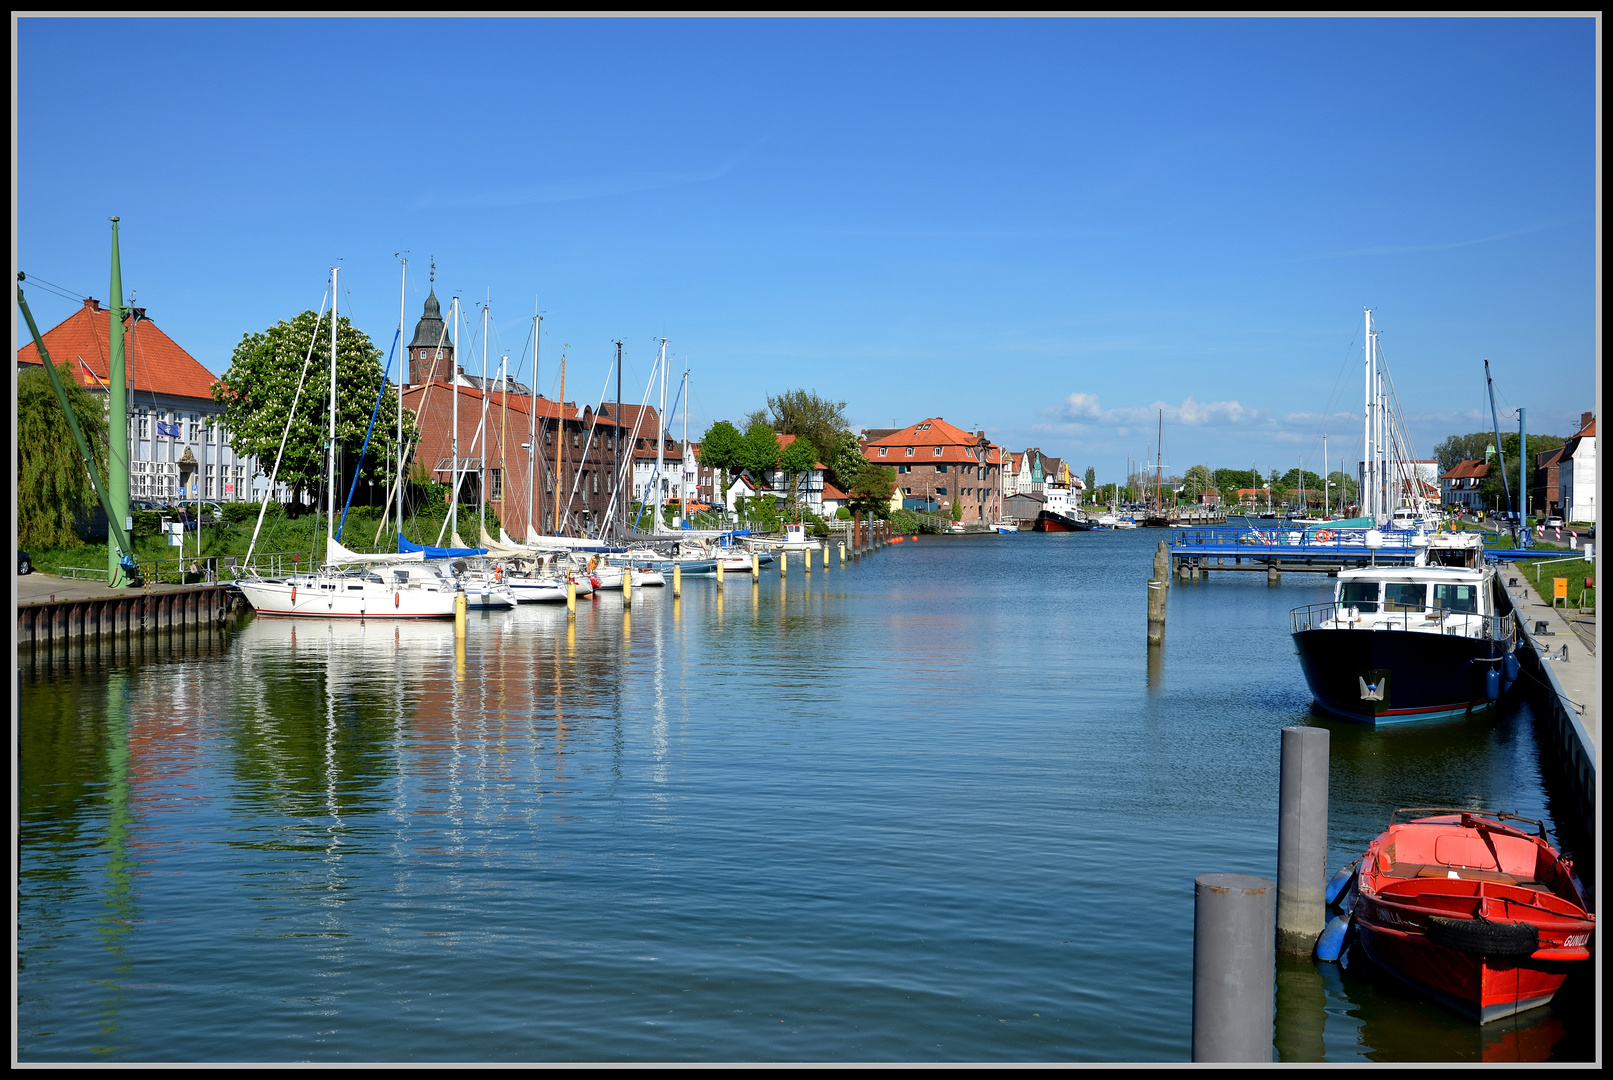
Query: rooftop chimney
{"points": [[1585, 418], [92, 303]]}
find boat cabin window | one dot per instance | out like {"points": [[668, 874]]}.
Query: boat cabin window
{"points": [[1402, 597], [1457, 597], [1359, 594]]}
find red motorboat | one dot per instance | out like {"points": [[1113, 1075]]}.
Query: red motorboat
{"points": [[1479, 914]]}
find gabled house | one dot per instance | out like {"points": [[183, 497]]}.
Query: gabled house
{"points": [[1577, 472], [176, 430], [938, 465], [1460, 486]]}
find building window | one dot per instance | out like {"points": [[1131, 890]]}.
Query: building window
{"points": [[496, 491], [940, 468], [195, 428], [907, 491], [210, 490], [576, 439], [941, 491], [144, 425], [937, 451], [882, 450], [909, 451]]}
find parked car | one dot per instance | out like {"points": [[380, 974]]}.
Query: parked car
{"points": [[25, 565], [1554, 523]]}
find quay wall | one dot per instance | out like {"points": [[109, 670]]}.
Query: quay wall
{"points": [[1569, 743], [103, 619]]}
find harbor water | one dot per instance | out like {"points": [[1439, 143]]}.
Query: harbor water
{"points": [[939, 803]]}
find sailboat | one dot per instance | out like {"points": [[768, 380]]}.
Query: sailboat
{"points": [[348, 585]]}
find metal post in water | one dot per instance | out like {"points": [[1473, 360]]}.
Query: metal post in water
{"points": [[783, 562], [1302, 839], [826, 554], [459, 615], [755, 565], [719, 569], [571, 597], [627, 586], [842, 553], [1234, 967], [677, 579], [806, 557], [1156, 611]]}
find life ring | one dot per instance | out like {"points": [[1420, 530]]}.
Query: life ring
{"points": [[498, 573], [1325, 536]]}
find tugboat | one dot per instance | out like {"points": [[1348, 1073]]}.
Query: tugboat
{"points": [[1479, 914], [1405, 643]]}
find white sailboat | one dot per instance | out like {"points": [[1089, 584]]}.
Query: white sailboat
{"points": [[349, 585]]}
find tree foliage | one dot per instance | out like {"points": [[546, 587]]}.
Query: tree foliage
{"points": [[720, 450], [796, 460], [1092, 481], [759, 451], [870, 491], [805, 415], [846, 460], [53, 485], [258, 389], [1198, 480]]}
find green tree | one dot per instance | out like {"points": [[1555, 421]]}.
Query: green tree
{"points": [[957, 510], [796, 460], [870, 491], [846, 461], [1491, 489], [1341, 489], [53, 485], [759, 451], [1455, 448], [720, 449], [258, 389], [1198, 480], [805, 415], [1092, 482]]}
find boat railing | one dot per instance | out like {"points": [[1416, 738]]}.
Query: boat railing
{"points": [[1467, 624], [1320, 534]]}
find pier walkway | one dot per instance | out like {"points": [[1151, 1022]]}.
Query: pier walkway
{"points": [[1312, 548]]}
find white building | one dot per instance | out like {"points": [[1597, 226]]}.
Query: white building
{"points": [[1576, 476]]}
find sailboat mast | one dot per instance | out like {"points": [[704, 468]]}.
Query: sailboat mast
{"points": [[481, 472], [453, 382], [560, 454], [1327, 508], [330, 456], [532, 455], [660, 442], [403, 366], [503, 422], [1367, 479], [1159, 463], [616, 457]]}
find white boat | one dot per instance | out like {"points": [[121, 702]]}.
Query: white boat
{"points": [[349, 585], [1007, 525], [1125, 523], [363, 587]]}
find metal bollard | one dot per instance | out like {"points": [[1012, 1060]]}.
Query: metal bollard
{"points": [[719, 569], [571, 597], [826, 554], [806, 557], [677, 579], [627, 586], [842, 546], [459, 614], [783, 562], [1302, 839], [1234, 967], [755, 566]]}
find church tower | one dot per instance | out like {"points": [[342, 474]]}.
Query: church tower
{"points": [[426, 358]]}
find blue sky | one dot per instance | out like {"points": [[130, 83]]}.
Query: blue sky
{"points": [[1050, 229]]}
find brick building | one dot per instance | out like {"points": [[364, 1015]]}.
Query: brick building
{"points": [[572, 458], [940, 465], [176, 429]]}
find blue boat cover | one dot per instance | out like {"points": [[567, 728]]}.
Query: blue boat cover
{"points": [[405, 546]]}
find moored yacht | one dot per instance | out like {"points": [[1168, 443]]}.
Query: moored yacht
{"points": [[1404, 643]]}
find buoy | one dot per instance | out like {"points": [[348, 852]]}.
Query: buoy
{"points": [[294, 596], [397, 600], [1325, 536]]}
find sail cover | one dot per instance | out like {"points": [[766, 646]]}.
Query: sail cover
{"points": [[426, 551], [336, 554]]}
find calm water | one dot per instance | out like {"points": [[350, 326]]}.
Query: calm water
{"points": [[939, 804]]}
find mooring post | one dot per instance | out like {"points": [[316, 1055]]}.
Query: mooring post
{"points": [[571, 597], [1234, 967], [755, 566], [1302, 839], [783, 562], [719, 569], [842, 546], [627, 586], [806, 558], [677, 580], [459, 615], [826, 554], [1273, 575], [1156, 611]]}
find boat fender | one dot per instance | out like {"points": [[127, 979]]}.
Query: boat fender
{"points": [[294, 595], [1482, 937], [1492, 684], [1509, 668], [1340, 883], [1335, 938], [397, 599]]}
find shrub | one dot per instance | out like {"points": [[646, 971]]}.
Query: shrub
{"points": [[237, 512]]}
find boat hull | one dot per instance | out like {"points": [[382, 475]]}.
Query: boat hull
{"points": [[1053, 521], [305, 600], [1481, 988], [1429, 675]]}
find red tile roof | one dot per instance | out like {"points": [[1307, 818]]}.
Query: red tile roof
{"points": [[955, 443], [154, 362], [1465, 470]]}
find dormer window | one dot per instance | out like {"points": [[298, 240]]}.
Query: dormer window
{"points": [[909, 451], [882, 451], [937, 451]]}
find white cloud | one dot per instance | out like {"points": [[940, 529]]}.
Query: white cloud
{"points": [[1085, 409]]}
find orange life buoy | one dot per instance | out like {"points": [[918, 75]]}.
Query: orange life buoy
{"points": [[1325, 536], [498, 573]]}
